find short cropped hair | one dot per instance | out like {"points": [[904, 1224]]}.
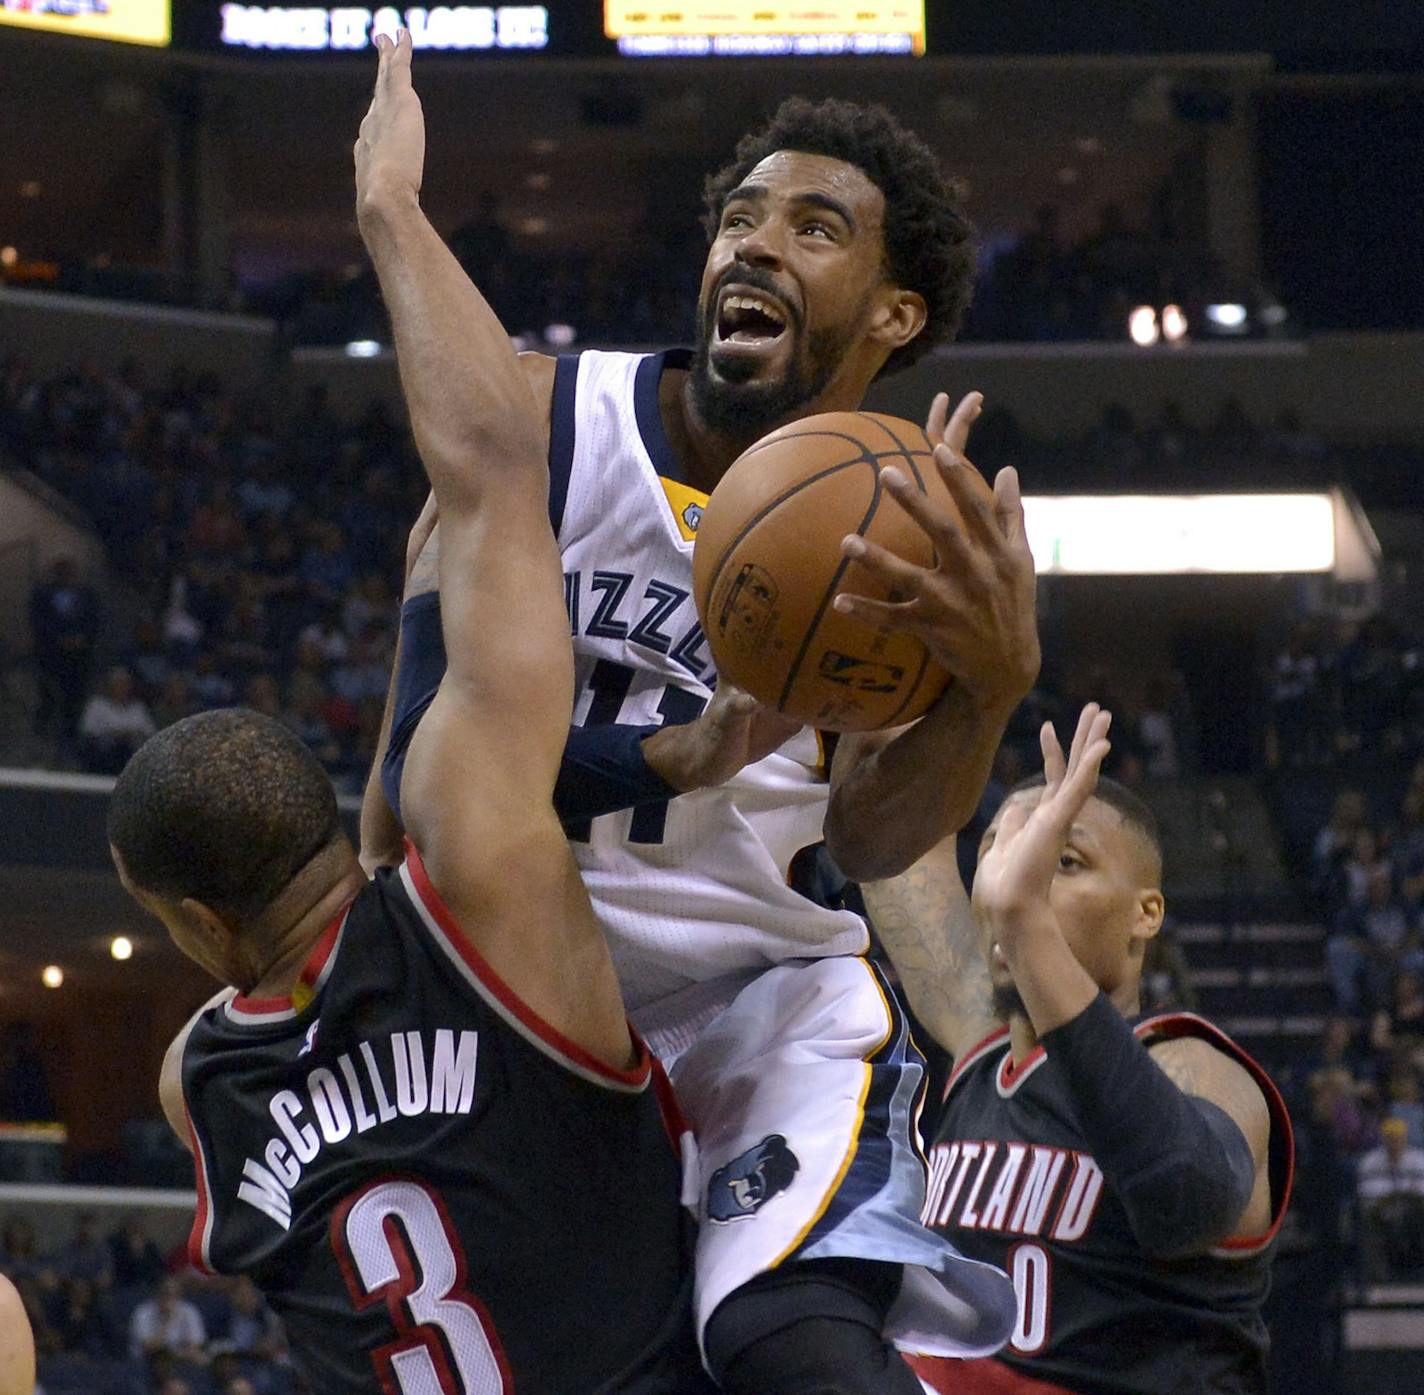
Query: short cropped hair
{"points": [[1130, 808], [225, 807], [929, 241]]}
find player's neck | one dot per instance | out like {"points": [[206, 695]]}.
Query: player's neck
{"points": [[1023, 1040], [294, 922], [706, 455]]}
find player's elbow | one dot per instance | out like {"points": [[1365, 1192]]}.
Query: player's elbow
{"points": [[864, 852], [1184, 1207]]}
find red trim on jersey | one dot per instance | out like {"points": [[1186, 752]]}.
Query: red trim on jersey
{"points": [[975, 1053], [984, 1376], [508, 998], [1172, 1025], [674, 1121], [311, 971], [1011, 1074], [204, 1208]]}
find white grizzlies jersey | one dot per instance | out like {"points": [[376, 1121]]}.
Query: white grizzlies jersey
{"points": [[694, 894]]}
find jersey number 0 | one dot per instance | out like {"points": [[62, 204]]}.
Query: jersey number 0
{"points": [[395, 1245]]}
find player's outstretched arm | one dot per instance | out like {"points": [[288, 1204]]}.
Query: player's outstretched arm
{"points": [[476, 793], [923, 919], [17, 1343]]}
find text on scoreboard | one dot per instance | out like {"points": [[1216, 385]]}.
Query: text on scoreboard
{"points": [[657, 27], [127, 21]]}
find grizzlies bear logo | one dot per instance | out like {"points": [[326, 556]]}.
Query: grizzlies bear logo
{"points": [[748, 1182]]}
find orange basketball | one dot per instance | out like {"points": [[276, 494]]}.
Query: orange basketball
{"points": [[768, 564]]}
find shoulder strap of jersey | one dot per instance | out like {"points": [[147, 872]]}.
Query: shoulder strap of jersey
{"points": [[469, 965], [562, 427], [1168, 1026]]}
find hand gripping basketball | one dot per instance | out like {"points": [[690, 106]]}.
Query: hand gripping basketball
{"points": [[973, 610]]}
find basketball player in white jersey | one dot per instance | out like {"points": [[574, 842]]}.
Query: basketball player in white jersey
{"points": [[838, 252]]}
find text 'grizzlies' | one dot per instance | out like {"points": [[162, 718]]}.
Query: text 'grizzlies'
{"points": [[606, 605]]}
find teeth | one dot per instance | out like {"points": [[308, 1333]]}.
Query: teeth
{"points": [[754, 302]]}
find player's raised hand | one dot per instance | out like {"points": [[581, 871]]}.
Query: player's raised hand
{"points": [[735, 731], [974, 611], [390, 149], [1015, 875]]}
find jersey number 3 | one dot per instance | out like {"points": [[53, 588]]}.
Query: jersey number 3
{"points": [[396, 1246]]}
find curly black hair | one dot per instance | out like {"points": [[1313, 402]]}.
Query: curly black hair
{"points": [[929, 242]]}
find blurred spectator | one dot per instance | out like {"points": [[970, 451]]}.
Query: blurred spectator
{"points": [[64, 625], [1298, 733], [1156, 733], [1372, 943], [82, 1321], [254, 1330], [1391, 1194], [1403, 1104], [1398, 1029], [20, 1255], [167, 1322], [115, 723], [137, 1261], [1344, 1109], [85, 1255]]}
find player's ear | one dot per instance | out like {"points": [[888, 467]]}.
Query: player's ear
{"points": [[898, 317], [1151, 908], [209, 924]]}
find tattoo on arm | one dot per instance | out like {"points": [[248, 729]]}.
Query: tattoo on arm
{"points": [[1196, 1067], [923, 919]]}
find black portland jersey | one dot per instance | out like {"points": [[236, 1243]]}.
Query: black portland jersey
{"points": [[436, 1191], [1012, 1182]]}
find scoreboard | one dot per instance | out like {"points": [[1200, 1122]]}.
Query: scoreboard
{"points": [[562, 28], [658, 27], [127, 21]]}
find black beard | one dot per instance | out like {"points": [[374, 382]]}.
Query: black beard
{"points": [[1007, 1002], [745, 411]]}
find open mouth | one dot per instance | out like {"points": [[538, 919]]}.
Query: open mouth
{"points": [[749, 319]]}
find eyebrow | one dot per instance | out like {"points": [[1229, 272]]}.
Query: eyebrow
{"points": [[757, 193]]}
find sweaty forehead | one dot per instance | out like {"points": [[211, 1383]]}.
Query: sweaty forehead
{"points": [[790, 172]]}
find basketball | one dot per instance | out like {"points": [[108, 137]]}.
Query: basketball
{"points": [[768, 564]]}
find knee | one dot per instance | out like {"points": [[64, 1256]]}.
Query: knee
{"points": [[811, 1329]]}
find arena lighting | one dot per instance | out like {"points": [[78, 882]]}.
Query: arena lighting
{"points": [[1173, 535], [9, 256], [363, 348], [1230, 318], [560, 336], [1142, 326], [1174, 324], [52, 976], [121, 947]]}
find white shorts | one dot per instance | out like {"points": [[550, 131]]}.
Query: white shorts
{"points": [[804, 1097]]}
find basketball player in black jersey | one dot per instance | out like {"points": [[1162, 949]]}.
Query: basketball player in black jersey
{"points": [[1129, 1172], [422, 1123]]}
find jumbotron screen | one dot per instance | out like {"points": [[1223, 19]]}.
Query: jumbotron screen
{"points": [[737, 27], [124, 21], [563, 28]]}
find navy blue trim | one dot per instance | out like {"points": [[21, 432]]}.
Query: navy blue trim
{"points": [[648, 413], [869, 1172], [562, 426], [418, 675]]}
